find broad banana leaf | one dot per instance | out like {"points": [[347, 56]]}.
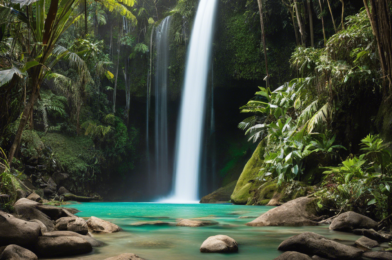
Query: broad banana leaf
{"points": [[23, 2], [7, 75]]}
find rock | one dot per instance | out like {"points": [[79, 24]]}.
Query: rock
{"points": [[98, 225], [20, 194], [34, 197], [17, 231], [63, 191], [195, 223], [74, 224], [27, 209], [221, 195], [366, 243], [219, 244], [44, 229], [59, 178], [291, 255], [15, 252], [51, 187], [93, 242], [73, 197], [60, 246], [298, 212], [125, 257], [151, 223], [378, 255], [50, 211], [314, 244], [372, 234], [351, 220]]}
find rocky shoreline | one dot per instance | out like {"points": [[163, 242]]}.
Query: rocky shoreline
{"points": [[36, 231]]}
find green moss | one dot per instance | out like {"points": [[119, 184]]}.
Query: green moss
{"points": [[263, 202], [220, 195], [247, 181], [74, 154]]}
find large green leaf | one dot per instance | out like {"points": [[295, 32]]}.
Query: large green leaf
{"points": [[7, 75]]}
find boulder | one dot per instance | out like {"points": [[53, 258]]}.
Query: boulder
{"points": [[44, 229], [15, 252], [313, 244], [51, 187], [61, 246], [221, 195], [63, 191], [98, 225], [27, 209], [74, 224], [59, 178], [366, 243], [93, 242], [219, 244], [20, 194], [378, 255], [298, 212], [195, 223], [17, 231], [125, 257], [351, 220], [291, 255], [34, 197], [372, 234]]}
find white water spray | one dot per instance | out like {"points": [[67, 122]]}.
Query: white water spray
{"points": [[189, 138]]}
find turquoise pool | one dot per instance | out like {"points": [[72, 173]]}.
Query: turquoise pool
{"points": [[183, 243]]}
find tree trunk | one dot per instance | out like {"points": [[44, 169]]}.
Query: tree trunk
{"points": [[85, 18], [260, 3], [23, 121], [127, 96], [295, 26], [380, 20], [311, 23], [322, 22], [117, 69], [342, 14], [333, 19], [302, 29]]}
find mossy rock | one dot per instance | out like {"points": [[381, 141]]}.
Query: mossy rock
{"points": [[220, 195], [248, 183]]}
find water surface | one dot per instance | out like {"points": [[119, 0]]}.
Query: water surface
{"points": [[183, 243]]}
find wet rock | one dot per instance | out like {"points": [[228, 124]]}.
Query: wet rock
{"points": [[372, 234], [125, 257], [351, 220], [27, 209], [51, 187], [219, 244], [63, 191], [74, 224], [60, 246], [195, 223], [291, 255], [221, 195], [93, 242], [44, 229], [314, 244], [15, 252], [378, 255], [366, 243], [59, 178], [151, 223], [34, 197], [298, 212], [98, 225], [17, 231]]}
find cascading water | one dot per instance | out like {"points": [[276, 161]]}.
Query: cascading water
{"points": [[189, 137], [162, 174]]}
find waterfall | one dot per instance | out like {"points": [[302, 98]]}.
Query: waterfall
{"points": [[189, 137], [162, 174]]}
